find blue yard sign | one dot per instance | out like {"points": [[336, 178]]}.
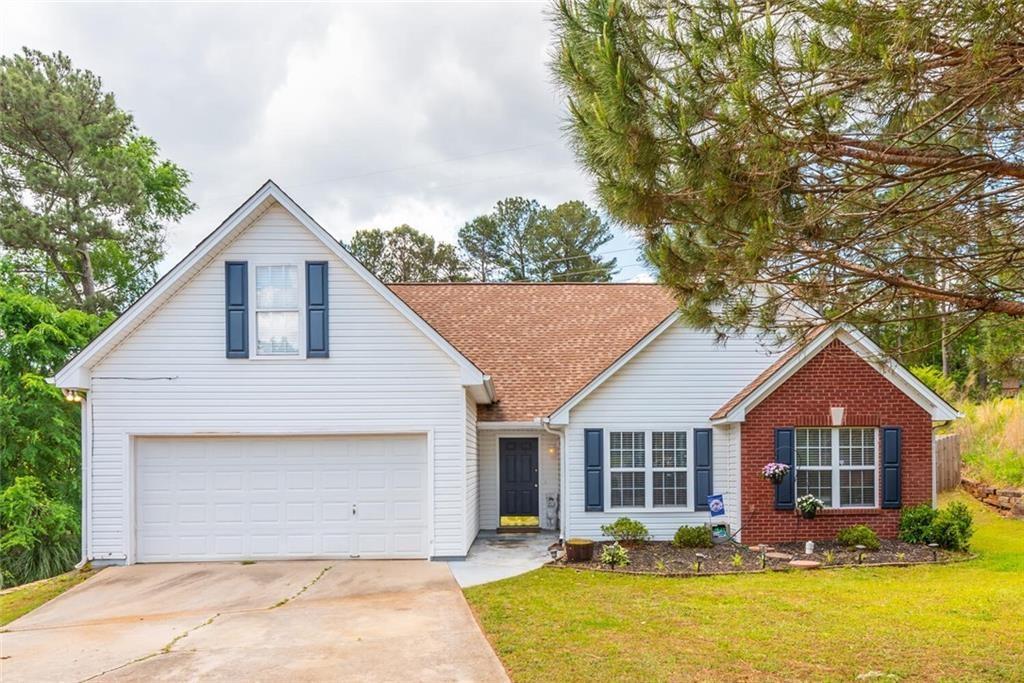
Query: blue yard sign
{"points": [[716, 505]]}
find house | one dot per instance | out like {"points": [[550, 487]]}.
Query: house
{"points": [[269, 398]]}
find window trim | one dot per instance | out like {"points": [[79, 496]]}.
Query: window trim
{"points": [[648, 469], [254, 309], [836, 467]]}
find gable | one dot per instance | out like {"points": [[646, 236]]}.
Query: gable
{"points": [[677, 378], [273, 202], [187, 329], [808, 349]]}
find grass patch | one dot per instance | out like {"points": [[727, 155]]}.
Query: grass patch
{"points": [[23, 600], [932, 623], [992, 440]]}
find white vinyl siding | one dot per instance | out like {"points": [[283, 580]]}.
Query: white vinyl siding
{"points": [[547, 462], [674, 384], [170, 376], [838, 465]]}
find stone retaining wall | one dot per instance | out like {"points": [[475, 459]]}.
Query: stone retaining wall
{"points": [[1009, 501]]}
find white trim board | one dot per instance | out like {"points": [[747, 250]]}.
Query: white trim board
{"points": [[75, 374]]}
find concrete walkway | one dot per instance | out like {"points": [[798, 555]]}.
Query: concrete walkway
{"points": [[270, 621], [499, 556]]}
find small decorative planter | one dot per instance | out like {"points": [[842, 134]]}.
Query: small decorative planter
{"points": [[775, 472], [579, 550], [808, 506]]}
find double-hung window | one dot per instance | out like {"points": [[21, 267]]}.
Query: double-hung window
{"points": [[837, 465], [627, 462], [648, 469], [277, 310]]}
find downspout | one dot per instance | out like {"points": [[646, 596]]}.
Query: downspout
{"points": [[86, 430], [563, 501]]}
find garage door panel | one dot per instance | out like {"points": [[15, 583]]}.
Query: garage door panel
{"points": [[235, 498]]}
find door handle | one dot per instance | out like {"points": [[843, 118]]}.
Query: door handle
{"points": [[353, 509]]}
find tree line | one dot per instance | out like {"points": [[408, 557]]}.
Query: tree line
{"points": [[520, 240]]}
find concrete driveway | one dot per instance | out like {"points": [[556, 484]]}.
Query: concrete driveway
{"points": [[269, 621]]}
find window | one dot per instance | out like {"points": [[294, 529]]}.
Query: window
{"points": [[277, 310], [668, 458], [626, 453], [648, 469], [837, 465]]}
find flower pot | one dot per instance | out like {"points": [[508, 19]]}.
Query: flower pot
{"points": [[808, 514], [579, 550], [776, 480]]}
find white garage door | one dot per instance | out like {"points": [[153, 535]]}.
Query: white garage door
{"points": [[281, 498]]}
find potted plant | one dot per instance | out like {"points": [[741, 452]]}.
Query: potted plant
{"points": [[808, 506], [775, 472], [579, 550]]}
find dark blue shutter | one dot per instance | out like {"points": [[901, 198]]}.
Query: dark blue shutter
{"points": [[317, 318], [702, 482], [892, 445], [785, 495], [593, 478], [236, 304]]}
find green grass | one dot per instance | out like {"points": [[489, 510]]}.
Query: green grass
{"points": [[992, 440], [23, 600], [932, 623]]}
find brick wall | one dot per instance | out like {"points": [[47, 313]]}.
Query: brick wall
{"points": [[836, 376]]}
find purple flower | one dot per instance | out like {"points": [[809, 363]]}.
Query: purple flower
{"points": [[774, 471]]}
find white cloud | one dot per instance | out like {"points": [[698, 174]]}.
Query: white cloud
{"points": [[369, 115]]}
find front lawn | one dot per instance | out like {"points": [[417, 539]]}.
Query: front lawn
{"points": [[949, 622], [22, 600]]}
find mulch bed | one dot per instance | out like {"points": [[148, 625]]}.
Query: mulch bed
{"points": [[660, 557]]}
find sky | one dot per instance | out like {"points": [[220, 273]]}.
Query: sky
{"points": [[368, 115]]}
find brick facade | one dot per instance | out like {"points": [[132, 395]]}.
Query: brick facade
{"points": [[835, 377]]}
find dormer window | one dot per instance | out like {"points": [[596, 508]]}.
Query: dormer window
{"points": [[277, 310]]}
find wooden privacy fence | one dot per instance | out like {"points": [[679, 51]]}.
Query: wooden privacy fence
{"points": [[947, 462]]}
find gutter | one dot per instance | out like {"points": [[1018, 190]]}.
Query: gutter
{"points": [[563, 500]]}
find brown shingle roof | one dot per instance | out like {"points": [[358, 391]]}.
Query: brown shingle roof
{"points": [[540, 343]]}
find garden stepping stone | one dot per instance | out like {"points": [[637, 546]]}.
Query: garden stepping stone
{"points": [[804, 564], [778, 556]]}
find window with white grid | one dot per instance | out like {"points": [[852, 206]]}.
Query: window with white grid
{"points": [[648, 469], [277, 310], [668, 461], [627, 453], [837, 465]]}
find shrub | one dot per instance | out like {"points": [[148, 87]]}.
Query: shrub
{"points": [[39, 534], [615, 555], [693, 537], [915, 522], [952, 527], [626, 530], [933, 378], [859, 534]]}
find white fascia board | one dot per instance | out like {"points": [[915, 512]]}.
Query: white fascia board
{"points": [[561, 414], [74, 373]]}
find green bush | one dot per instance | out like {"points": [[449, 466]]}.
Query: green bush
{"points": [[693, 537], [952, 527], [38, 534], [915, 522], [626, 530], [615, 555], [859, 534]]}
